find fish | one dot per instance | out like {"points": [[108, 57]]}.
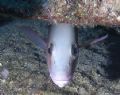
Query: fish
{"points": [[60, 55], [62, 50]]}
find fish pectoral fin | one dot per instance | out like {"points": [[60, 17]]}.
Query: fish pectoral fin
{"points": [[90, 43], [35, 37]]}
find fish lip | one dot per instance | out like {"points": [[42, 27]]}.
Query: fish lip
{"points": [[59, 81]]}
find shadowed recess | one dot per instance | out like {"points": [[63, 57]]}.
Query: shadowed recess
{"points": [[113, 67], [5, 20], [24, 8]]}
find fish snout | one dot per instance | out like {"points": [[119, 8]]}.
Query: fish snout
{"points": [[61, 80], [61, 83]]}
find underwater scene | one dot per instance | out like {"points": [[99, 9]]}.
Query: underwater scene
{"points": [[41, 57]]}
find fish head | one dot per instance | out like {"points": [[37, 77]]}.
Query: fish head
{"points": [[60, 64]]}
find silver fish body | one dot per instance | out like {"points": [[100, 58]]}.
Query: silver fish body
{"points": [[60, 58]]}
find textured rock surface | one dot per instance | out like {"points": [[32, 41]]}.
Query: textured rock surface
{"points": [[80, 12]]}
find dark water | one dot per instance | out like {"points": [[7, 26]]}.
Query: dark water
{"points": [[23, 8], [113, 68]]}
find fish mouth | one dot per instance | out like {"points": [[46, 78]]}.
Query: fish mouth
{"points": [[61, 81]]}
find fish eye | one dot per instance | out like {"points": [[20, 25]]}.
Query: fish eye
{"points": [[50, 48], [74, 50]]}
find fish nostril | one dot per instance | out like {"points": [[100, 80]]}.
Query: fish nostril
{"points": [[50, 48], [74, 50]]}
